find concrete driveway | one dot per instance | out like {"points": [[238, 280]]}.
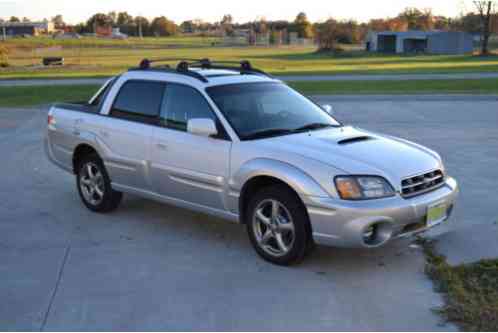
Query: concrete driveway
{"points": [[155, 267]]}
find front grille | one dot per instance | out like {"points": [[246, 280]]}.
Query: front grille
{"points": [[423, 183]]}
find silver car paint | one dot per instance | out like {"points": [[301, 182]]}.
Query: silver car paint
{"points": [[208, 175]]}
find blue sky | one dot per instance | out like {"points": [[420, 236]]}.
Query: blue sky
{"points": [[212, 10]]}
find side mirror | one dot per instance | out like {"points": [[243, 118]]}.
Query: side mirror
{"points": [[328, 108], [202, 127]]}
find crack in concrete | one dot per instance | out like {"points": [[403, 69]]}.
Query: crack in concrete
{"points": [[54, 293]]}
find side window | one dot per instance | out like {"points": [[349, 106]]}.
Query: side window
{"points": [[182, 103], [139, 101]]}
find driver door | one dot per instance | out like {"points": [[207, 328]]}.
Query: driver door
{"points": [[185, 166]]}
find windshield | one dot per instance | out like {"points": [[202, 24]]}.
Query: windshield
{"points": [[259, 110]]}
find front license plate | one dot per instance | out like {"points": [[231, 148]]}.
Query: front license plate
{"points": [[436, 214]]}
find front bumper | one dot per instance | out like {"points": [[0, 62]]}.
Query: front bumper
{"points": [[342, 223]]}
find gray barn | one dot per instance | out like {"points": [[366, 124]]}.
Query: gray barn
{"points": [[432, 42]]}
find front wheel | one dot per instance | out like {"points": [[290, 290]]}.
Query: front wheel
{"points": [[278, 225], [94, 186]]}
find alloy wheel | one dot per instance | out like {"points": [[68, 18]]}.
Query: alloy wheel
{"points": [[273, 228], [92, 183]]}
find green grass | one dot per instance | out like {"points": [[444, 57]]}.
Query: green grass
{"points": [[90, 57], [91, 42], [36, 95], [29, 96], [470, 291], [481, 86]]}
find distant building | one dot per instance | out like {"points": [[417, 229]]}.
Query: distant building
{"points": [[431, 42], [103, 30], [294, 39], [26, 28], [117, 34]]}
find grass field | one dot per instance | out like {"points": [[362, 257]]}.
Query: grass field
{"points": [[92, 57], [29, 96]]}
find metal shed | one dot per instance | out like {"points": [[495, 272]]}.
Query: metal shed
{"points": [[431, 42]]}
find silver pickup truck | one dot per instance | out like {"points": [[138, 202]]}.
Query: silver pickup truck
{"points": [[234, 142]]}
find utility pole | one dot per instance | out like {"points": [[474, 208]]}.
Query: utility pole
{"points": [[140, 35], [4, 34]]}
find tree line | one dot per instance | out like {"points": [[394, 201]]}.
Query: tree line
{"points": [[343, 31]]}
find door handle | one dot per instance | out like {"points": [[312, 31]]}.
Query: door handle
{"points": [[161, 146], [76, 129]]}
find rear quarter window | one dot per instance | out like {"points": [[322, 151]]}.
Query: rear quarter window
{"points": [[139, 101]]}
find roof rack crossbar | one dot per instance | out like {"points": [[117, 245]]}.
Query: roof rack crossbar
{"points": [[184, 66], [168, 69], [244, 67], [242, 70]]}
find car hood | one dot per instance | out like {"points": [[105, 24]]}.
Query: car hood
{"points": [[361, 152]]}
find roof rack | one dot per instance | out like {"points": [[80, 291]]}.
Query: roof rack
{"points": [[244, 67]]}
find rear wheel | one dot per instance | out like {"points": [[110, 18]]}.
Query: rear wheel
{"points": [[278, 225], [94, 186]]}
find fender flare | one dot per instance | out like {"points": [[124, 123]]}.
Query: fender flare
{"points": [[302, 183]]}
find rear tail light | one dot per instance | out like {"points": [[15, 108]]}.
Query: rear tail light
{"points": [[51, 120]]}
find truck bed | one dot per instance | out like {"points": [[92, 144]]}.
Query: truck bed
{"points": [[78, 106]]}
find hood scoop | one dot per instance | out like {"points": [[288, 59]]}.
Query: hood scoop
{"points": [[354, 139]]}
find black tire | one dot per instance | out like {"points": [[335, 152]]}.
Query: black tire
{"points": [[110, 199], [302, 240]]}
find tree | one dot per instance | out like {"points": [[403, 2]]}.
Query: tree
{"points": [[485, 10], [126, 23], [261, 26], [124, 18], [188, 26], [302, 26], [411, 17], [14, 19], [113, 16], [442, 23], [58, 21], [227, 24], [227, 19], [470, 22], [143, 26], [397, 24], [161, 26], [327, 35], [81, 28], [4, 60], [350, 32], [98, 20], [417, 19]]}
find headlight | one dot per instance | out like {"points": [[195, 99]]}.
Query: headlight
{"points": [[363, 187]]}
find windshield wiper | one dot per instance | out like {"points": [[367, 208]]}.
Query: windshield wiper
{"points": [[267, 133], [313, 126]]}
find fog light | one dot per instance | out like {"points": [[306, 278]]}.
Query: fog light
{"points": [[369, 234]]}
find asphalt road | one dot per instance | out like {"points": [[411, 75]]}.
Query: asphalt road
{"points": [[335, 77], [155, 267]]}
